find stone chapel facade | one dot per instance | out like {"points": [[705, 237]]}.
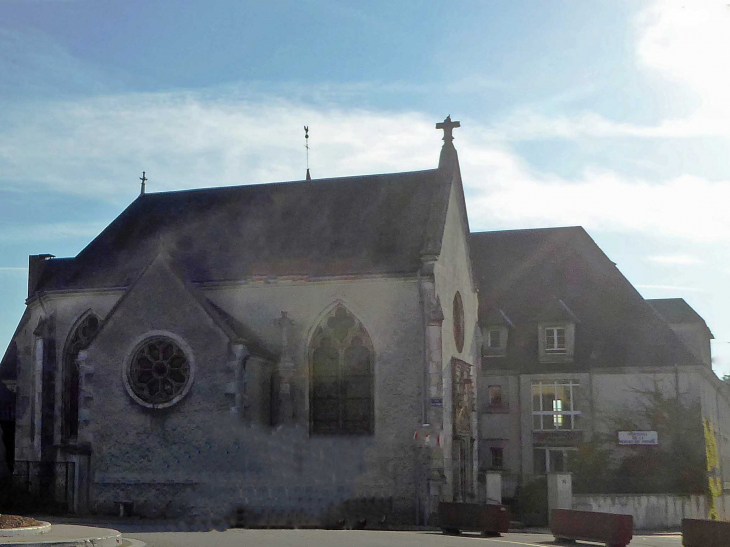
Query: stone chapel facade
{"points": [[269, 347]]}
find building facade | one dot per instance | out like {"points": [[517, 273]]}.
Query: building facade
{"points": [[263, 348], [290, 348], [573, 354]]}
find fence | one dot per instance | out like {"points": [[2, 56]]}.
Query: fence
{"points": [[53, 481]]}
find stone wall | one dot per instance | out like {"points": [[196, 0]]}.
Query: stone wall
{"points": [[198, 458]]}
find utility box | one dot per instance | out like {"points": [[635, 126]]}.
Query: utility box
{"points": [[560, 491], [494, 488]]}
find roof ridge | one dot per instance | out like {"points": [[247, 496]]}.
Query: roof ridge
{"points": [[148, 195]]}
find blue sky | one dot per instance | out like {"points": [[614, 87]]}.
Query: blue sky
{"points": [[612, 115]]}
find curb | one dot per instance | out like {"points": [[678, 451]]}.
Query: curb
{"points": [[43, 528]]}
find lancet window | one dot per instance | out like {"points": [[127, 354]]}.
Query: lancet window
{"points": [[79, 341], [342, 359]]}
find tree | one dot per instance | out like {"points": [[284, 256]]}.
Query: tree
{"points": [[677, 465]]}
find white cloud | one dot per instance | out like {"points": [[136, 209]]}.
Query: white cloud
{"points": [[686, 43], [504, 193], [689, 43], [99, 147], [678, 259], [672, 288]]}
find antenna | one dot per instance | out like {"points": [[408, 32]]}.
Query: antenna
{"points": [[306, 145]]}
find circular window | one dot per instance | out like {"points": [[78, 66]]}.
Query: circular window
{"points": [[159, 373], [458, 322]]}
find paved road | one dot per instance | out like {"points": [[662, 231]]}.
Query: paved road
{"points": [[352, 538]]}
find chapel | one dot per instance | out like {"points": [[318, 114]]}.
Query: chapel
{"points": [[283, 348]]}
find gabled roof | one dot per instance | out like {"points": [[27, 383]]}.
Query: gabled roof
{"points": [[345, 226], [525, 272], [231, 327], [676, 310]]}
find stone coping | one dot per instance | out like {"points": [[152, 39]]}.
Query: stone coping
{"points": [[43, 528]]}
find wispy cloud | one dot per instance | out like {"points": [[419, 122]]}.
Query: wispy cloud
{"points": [[678, 259], [673, 288], [183, 140], [13, 269], [529, 124], [49, 232]]}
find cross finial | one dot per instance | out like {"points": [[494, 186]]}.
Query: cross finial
{"points": [[143, 178], [448, 126]]}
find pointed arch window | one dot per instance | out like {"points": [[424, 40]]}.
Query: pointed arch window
{"points": [[341, 357], [80, 339]]}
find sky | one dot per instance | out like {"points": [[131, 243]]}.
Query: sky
{"points": [[613, 115]]}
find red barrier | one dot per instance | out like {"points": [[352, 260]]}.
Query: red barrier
{"points": [[609, 528], [488, 519], [705, 533]]}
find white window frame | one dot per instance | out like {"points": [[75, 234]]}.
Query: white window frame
{"points": [[559, 415], [552, 345], [554, 353]]}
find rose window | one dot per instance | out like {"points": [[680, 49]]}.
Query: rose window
{"points": [[159, 372]]}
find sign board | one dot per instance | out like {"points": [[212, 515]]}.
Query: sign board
{"points": [[437, 401], [638, 438]]}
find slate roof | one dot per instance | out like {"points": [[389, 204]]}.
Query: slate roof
{"points": [[525, 272], [676, 310], [344, 226]]}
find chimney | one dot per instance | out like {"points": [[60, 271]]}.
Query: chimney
{"points": [[36, 266]]}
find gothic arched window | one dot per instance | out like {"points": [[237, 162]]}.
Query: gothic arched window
{"points": [[342, 359], [79, 340]]}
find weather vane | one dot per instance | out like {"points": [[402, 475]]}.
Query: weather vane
{"points": [[306, 145]]}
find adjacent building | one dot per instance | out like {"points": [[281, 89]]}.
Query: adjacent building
{"points": [[572, 353]]}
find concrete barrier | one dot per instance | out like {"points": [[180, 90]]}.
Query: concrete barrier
{"points": [[609, 528]]}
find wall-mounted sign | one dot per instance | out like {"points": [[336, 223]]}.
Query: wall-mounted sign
{"points": [[638, 438], [437, 401]]}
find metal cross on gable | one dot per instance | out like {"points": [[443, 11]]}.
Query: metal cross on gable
{"points": [[144, 179], [448, 126]]}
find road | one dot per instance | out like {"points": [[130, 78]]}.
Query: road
{"points": [[357, 538]]}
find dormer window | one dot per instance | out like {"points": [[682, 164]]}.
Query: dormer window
{"points": [[556, 342], [556, 332], [495, 329], [494, 337], [495, 341]]}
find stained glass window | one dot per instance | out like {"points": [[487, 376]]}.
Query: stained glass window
{"points": [[341, 358]]}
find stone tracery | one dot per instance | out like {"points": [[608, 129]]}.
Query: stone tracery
{"points": [[341, 357], [159, 371]]}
